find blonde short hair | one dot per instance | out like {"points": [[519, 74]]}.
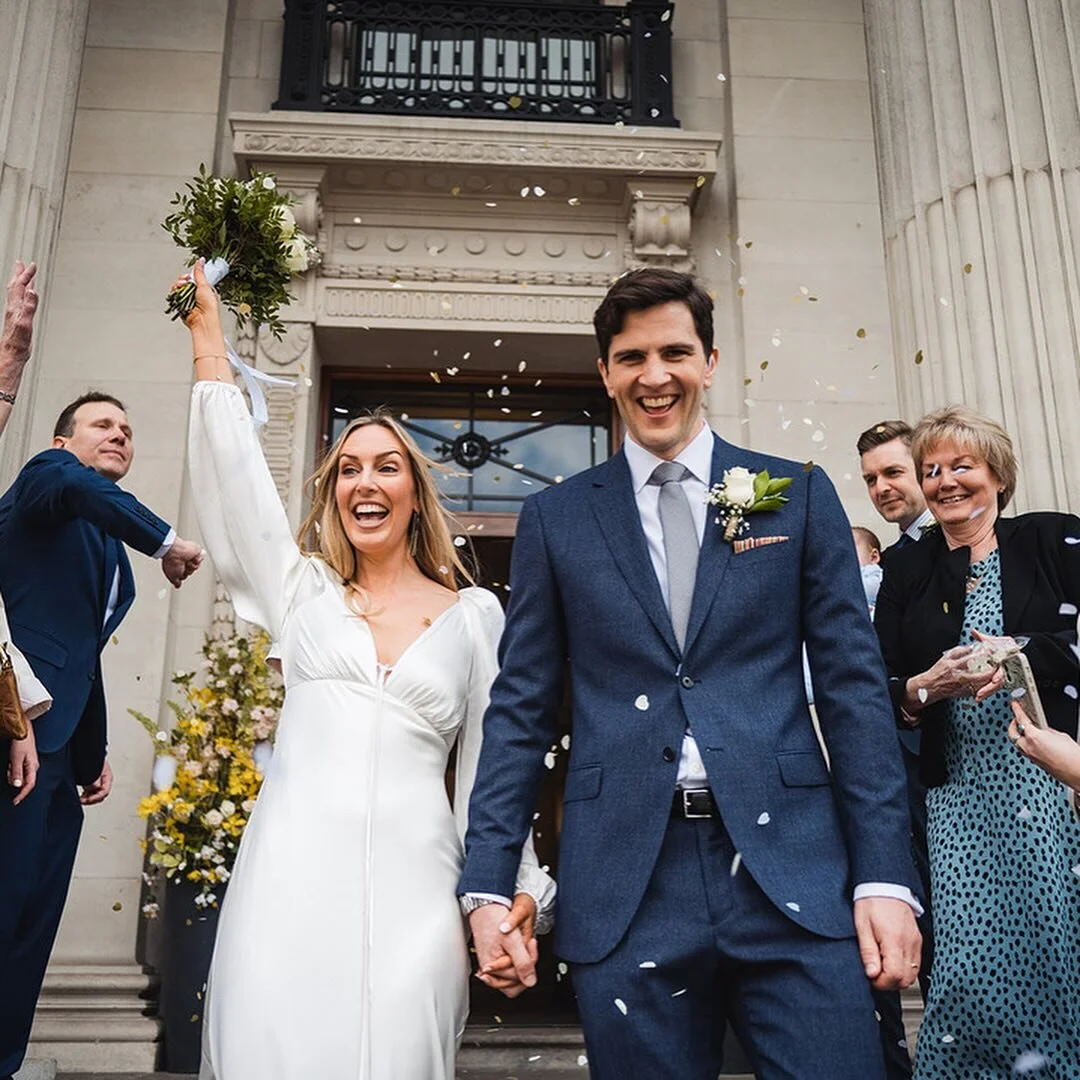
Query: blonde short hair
{"points": [[970, 431], [323, 535]]}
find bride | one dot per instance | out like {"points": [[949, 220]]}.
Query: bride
{"points": [[341, 952]]}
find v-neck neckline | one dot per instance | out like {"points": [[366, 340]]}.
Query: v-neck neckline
{"points": [[389, 669]]}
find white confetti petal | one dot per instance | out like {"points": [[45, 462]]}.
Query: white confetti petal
{"points": [[549, 760], [641, 702], [565, 742], [721, 77], [947, 1039], [1070, 691], [1072, 539], [793, 906], [1024, 814], [764, 819], [1067, 609], [620, 1005], [647, 964], [1076, 870], [679, 993], [582, 1061], [1018, 693], [459, 541], [923, 694], [736, 863], [1028, 1062]]}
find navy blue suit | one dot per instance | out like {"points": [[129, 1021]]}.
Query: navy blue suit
{"points": [[769, 947], [62, 534]]}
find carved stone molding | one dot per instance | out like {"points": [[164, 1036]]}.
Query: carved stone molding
{"points": [[313, 137], [660, 223], [293, 345], [345, 305], [503, 275]]}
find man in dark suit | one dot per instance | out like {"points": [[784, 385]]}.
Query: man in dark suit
{"points": [[67, 583], [710, 863], [891, 482]]}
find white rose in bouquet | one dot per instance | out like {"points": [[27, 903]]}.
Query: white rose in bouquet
{"points": [[739, 487], [297, 258], [287, 223]]}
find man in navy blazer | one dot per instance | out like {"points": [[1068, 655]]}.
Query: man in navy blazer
{"points": [[67, 584], [713, 867]]}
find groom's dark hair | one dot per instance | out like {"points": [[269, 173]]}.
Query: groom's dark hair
{"points": [[641, 289], [65, 422]]}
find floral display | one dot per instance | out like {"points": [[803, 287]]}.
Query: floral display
{"points": [[210, 764], [246, 231]]}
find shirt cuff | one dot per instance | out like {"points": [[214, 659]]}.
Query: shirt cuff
{"points": [[473, 900], [891, 892], [168, 542]]}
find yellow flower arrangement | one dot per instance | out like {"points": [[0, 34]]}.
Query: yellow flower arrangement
{"points": [[209, 765]]}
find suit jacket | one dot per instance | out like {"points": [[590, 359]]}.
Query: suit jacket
{"points": [[583, 588], [62, 531], [920, 614]]}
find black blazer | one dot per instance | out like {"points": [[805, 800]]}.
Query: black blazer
{"points": [[920, 614]]}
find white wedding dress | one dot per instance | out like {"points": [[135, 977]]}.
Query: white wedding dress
{"points": [[341, 953]]}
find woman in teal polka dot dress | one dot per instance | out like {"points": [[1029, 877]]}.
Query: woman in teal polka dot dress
{"points": [[1004, 844]]}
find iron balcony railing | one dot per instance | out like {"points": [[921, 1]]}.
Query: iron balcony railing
{"points": [[576, 60]]}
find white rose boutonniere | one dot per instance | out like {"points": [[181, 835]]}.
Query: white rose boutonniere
{"points": [[744, 492]]}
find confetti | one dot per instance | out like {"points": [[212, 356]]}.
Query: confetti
{"points": [[700, 182], [459, 541], [1024, 814], [735, 863], [804, 290], [763, 818], [455, 190], [1067, 609], [1072, 539], [118, 906], [1076, 870], [452, 370], [818, 435], [943, 301], [1018, 693], [549, 760], [679, 993], [861, 332], [620, 1005], [525, 191], [539, 192], [967, 268], [1028, 1062], [1070, 691], [435, 375], [564, 742], [522, 365], [721, 77], [497, 342], [947, 1039], [514, 102], [647, 964], [505, 391], [573, 201], [641, 702], [582, 1061], [919, 357], [793, 906]]}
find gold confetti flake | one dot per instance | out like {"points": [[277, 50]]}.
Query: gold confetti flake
{"points": [[919, 357], [764, 365], [967, 268], [455, 190], [435, 376], [700, 182], [861, 332], [514, 102]]}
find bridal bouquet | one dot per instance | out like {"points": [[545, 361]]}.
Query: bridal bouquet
{"points": [[209, 764], [246, 231]]}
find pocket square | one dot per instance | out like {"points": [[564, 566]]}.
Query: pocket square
{"points": [[751, 542]]}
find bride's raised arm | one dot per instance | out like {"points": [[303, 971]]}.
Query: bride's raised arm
{"points": [[243, 523]]}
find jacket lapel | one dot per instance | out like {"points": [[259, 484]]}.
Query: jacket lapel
{"points": [[617, 515], [714, 557]]}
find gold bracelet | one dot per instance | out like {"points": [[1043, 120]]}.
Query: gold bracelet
{"points": [[210, 356]]}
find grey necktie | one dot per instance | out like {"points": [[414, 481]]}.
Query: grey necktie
{"points": [[680, 543]]}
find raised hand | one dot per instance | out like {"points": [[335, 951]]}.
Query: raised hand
{"points": [[181, 561], [22, 302]]}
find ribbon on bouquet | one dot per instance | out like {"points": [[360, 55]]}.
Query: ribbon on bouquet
{"points": [[253, 379]]}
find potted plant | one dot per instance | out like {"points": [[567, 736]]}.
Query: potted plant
{"points": [[207, 774]]}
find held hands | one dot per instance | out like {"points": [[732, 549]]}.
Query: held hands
{"points": [[889, 942], [98, 791], [22, 302], [22, 767], [181, 561], [505, 946]]}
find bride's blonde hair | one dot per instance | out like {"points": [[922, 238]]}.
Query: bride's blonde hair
{"points": [[323, 535]]}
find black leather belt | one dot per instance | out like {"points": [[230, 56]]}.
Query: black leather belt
{"points": [[693, 804]]}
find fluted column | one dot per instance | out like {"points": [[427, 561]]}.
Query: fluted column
{"points": [[41, 48], [977, 125]]}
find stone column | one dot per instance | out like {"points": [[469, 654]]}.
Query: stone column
{"points": [[977, 125], [41, 48]]}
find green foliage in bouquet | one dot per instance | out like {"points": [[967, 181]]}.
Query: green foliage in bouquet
{"points": [[250, 225], [207, 772]]}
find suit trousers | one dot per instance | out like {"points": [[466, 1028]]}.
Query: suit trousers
{"points": [[707, 948], [38, 841], [916, 792]]}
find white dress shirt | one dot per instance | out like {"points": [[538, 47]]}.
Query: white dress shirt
{"points": [[915, 529], [696, 457], [114, 588]]}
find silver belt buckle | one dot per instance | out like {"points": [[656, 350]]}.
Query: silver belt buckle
{"points": [[687, 802]]}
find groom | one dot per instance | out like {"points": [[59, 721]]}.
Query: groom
{"points": [[713, 868]]}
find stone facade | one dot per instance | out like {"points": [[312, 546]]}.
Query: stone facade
{"points": [[767, 190]]}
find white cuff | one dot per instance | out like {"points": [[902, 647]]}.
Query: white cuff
{"points": [[891, 892], [473, 900], [168, 542]]}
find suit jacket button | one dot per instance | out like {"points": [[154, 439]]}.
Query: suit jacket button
{"points": [[687, 682], [668, 754]]}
